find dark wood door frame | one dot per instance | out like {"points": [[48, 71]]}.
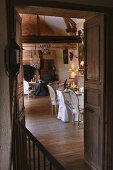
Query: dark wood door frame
{"points": [[62, 5], [108, 92], [108, 70]]}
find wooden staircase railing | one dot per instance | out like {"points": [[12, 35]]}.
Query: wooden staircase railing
{"points": [[29, 153]]}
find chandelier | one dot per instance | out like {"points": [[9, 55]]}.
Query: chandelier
{"points": [[45, 48], [35, 60]]}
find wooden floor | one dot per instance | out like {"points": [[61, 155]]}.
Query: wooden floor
{"points": [[63, 140]]}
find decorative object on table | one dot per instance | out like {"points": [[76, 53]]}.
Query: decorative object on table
{"points": [[72, 73], [74, 86], [65, 56], [81, 89]]}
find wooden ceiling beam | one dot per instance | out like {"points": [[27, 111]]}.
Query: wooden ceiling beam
{"points": [[51, 39], [67, 23], [38, 24], [71, 26], [72, 22]]}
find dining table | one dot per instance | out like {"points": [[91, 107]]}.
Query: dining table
{"points": [[32, 83]]}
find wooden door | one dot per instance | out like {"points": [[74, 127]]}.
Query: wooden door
{"points": [[20, 94], [93, 116]]}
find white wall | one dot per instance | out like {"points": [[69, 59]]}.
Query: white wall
{"points": [[63, 69], [4, 96]]}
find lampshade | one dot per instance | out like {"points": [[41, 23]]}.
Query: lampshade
{"points": [[82, 63], [72, 73]]}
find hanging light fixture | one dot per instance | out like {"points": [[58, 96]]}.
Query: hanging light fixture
{"points": [[35, 59], [45, 46]]}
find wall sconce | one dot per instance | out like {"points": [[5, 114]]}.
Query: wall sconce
{"points": [[82, 65], [81, 69]]}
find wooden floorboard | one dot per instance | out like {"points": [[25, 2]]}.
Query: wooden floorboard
{"points": [[63, 140]]}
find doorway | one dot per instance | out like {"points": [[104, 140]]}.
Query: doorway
{"points": [[91, 110], [63, 137]]}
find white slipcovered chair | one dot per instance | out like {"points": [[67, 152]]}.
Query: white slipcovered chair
{"points": [[63, 113], [72, 103], [27, 88], [53, 97]]}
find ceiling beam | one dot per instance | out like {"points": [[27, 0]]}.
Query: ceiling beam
{"points": [[61, 4], [51, 39], [67, 23], [72, 22], [71, 26]]}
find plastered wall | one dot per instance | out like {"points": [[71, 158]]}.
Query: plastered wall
{"points": [[63, 69], [4, 96]]}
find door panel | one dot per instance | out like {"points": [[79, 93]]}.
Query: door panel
{"points": [[20, 95], [95, 100], [93, 53], [93, 116]]}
